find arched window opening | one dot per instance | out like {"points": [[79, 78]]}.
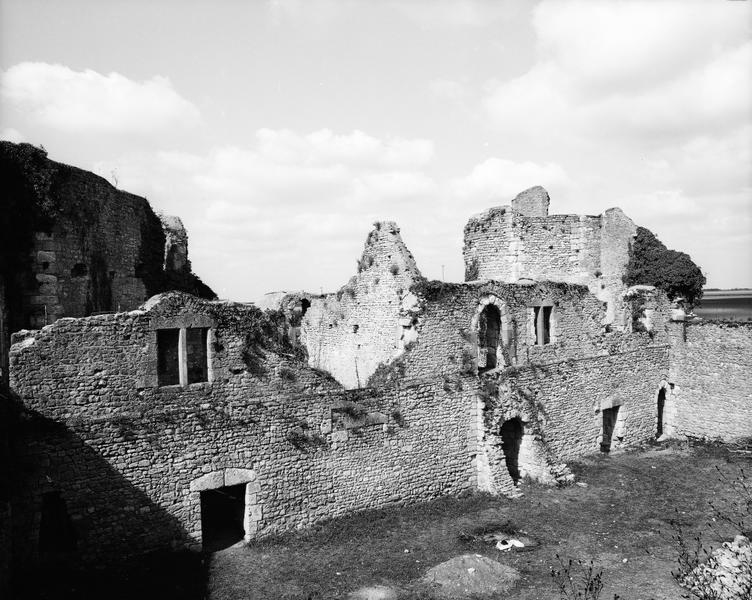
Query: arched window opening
{"points": [[305, 304], [511, 440], [489, 327]]}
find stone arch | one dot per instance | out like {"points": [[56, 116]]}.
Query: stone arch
{"points": [[226, 479], [504, 354]]}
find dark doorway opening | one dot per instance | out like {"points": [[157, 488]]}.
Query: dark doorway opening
{"points": [[661, 406], [511, 440], [57, 538], [609, 423], [305, 304], [222, 512], [489, 326]]}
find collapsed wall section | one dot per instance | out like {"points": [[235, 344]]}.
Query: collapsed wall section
{"points": [[371, 319], [130, 457], [712, 388]]}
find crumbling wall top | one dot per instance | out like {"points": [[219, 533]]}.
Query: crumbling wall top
{"points": [[533, 202]]}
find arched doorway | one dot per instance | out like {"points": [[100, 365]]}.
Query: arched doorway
{"points": [[661, 407], [511, 440], [489, 326]]}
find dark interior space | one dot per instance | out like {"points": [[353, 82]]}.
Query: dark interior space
{"points": [[489, 325], [57, 538], [76, 559], [511, 440], [661, 405], [167, 357], [222, 512], [195, 339], [609, 422]]}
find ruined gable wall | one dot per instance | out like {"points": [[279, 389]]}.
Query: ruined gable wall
{"points": [[710, 373], [126, 454], [351, 332]]}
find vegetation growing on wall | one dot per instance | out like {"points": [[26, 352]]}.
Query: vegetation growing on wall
{"points": [[651, 263]]}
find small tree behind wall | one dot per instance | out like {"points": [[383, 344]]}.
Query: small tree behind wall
{"points": [[651, 263]]}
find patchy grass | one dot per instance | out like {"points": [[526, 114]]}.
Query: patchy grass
{"points": [[620, 521]]}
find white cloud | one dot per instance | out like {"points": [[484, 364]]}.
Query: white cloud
{"points": [[88, 102], [631, 70], [497, 181], [259, 210], [325, 147], [608, 47]]}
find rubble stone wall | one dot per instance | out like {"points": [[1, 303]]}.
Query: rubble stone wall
{"points": [[559, 390], [130, 458], [710, 374], [525, 242], [91, 247]]}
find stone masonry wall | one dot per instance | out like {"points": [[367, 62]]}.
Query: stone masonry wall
{"points": [[368, 321], [711, 364], [130, 458], [91, 247], [524, 242], [558, 390]]}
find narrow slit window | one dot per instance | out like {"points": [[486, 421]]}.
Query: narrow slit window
{"points": [[546, 324], [168, 357], [195, 341]]}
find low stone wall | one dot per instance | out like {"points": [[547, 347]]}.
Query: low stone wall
{"points": [[711, 364]]}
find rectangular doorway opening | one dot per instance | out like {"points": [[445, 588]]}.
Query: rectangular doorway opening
{"points": [[57, 538], [609, 423], [222, 516]]}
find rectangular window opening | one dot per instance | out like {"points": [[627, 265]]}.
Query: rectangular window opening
{"points": [[168, 366], [198, 367], [542, 324], [547, 324]]}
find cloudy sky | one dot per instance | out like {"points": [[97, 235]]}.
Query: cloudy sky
{"points": [[279, 131]]}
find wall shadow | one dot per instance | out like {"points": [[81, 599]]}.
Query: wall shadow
{"points": [[81, 530]]}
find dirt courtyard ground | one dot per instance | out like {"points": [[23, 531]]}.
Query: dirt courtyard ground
{"points": [[620, 520]]}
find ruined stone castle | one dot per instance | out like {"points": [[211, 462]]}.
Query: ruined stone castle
{"points": [[174, 422]]}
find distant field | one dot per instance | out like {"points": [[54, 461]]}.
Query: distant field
{"points": [[726, 305]]}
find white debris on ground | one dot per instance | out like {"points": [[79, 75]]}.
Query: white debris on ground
{"points": [[509, 544]]}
